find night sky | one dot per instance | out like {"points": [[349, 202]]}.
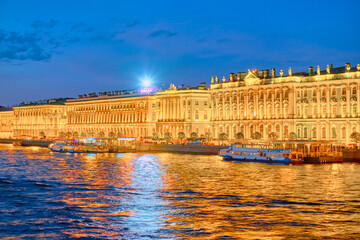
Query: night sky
{"points": [[51, 49]]}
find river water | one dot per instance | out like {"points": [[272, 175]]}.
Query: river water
{"points": [[45, 195]]}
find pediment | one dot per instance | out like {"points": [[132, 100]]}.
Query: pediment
{"points": [[251, 79]]}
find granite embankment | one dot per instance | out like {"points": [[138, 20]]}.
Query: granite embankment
{"points": [[139, 147]]}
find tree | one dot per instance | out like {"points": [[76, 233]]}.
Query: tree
{"points": [[181, 135], [68, 134], [42, 134], [155, 136], [208, 136], [223, 136], [91, 134], [193, 136], [62, 134], [292, 136], [355, 137], [273, 136], [75, 134], [120, 135], [239, 135], [256, 135], [111, 134], [101, 134], [83, 134], [167, 136]]}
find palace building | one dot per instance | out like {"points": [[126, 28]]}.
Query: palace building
{"points": [[316, 105]]}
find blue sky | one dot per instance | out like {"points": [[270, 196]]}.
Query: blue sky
{"points": [[64, 48]]}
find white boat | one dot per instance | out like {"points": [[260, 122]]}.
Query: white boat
{"points": [[256, 153], [62, 146]]}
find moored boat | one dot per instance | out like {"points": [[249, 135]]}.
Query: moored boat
{"points": [[256, 153]]}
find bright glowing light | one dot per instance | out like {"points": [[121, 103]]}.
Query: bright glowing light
{"points": [[146, 81]]}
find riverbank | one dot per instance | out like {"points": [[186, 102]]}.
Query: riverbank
{"points": [[138, 147]]}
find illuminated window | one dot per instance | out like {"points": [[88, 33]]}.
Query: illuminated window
{"points": [[343, 132], [314, 132], [354, 91], [343, 110], [305, 94], [305, 132], [343, 91], [197, 115], [205, 103], [196, 103], [333, 92], [205, 115], [354, 110], [334, 108], [323, 132]]}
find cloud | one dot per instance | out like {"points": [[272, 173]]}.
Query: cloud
{"points": [[99, 38], [44, 24], [132, 24], [23, 46], [160, 33], [73, 40]]}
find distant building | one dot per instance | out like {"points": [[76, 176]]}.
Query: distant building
{"points": [[317, 105]]}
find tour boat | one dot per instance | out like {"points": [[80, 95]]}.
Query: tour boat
{"points": [[256, 153], [62, 146]]}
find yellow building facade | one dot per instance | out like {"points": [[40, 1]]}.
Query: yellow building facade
{"points": [[6, 124], [321, 105], [317, 105]]}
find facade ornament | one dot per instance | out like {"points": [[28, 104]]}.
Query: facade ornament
{"points": [[223, 79], [290, 72], [273, 72], [328, 69], [216, 79], [348, 67], [318, 70], [212, 79], [358, 67], [172, 87], [281, 73]]}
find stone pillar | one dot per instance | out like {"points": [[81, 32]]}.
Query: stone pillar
{"points": [[348, 100]]}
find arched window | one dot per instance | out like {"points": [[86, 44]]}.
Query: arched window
{"points": [[354, 90], [269, 110], [286, 131], [313, 132], [305, 111], [299, 133], [333, 112], [205, 115], [315, 110], [343, 110], [277, 110], [242, 128], [305, 93], [278, 95], [314, 93], [333, 92], [286, 111], [251, 130], [305, 132], [262, 130], [197, 115], [261, 111], [354, 129], [286, 94], [277, 130], [343, 133], [323, 130], [324, 110], [343, 91], [269, 129], [323, 93]]}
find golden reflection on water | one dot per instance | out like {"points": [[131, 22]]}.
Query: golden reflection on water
{"points": [[174, 196]]}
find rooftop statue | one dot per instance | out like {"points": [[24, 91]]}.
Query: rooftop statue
{"points": [[328, 69], [281, 73], [290, 73], [172, 87], [358, 67], [212, 79], [223, 79], [216, 79]]}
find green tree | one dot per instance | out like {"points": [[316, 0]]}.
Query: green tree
{"points": [[42, 134], [355, 137], [208, 136], [101, 134], [68, 134], [120, 135], [239, 135], [167, 136], [223, 137], [292, 136], [273, 136], [75, 134], [91, 134], [181, 135], [83, 134], [111, 135], [256, 135], [193, 136], [155, 136]]}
